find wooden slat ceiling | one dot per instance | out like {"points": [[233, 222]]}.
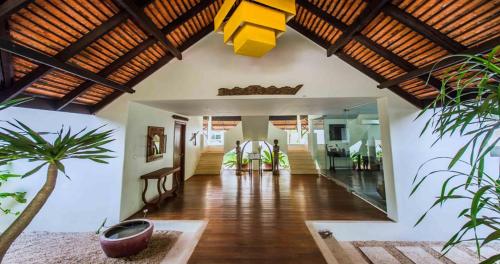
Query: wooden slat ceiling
{"points": [[393, 42]]}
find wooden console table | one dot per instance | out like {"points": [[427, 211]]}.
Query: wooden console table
{"points": [[161, 177]]}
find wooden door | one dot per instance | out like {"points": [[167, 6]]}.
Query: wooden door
{"points": [[180, 149]]}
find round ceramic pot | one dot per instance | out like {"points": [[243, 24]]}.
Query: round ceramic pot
{"points": [[126, 238]]}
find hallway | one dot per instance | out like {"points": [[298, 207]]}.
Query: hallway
{"points": [[261, 219]]}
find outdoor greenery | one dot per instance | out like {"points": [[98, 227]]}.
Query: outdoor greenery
{"points": [[468, 105], [283, 159], [229, 159], [18, 142]]}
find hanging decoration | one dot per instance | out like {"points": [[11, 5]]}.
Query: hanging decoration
{"points": [[253, 27]]}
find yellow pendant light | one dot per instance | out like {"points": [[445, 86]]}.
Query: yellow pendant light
{"points": [[253, 27]]}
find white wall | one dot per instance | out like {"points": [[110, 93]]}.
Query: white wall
{"points": [[210, 65], [280, 135], [230, 137], [400, 133], [95, 190], [92, 194], [139, 118]]}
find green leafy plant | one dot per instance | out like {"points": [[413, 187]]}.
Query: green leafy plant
{"points": [[229, 159], [469, 108], [267, 159], [19, 197], [14, 102], [355, 156], [19, 142]]}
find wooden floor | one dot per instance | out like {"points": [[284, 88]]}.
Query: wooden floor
{"points": [[261, 219]]}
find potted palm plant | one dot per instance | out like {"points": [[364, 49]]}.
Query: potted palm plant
{"points": [[468, 105], [20, 142]]}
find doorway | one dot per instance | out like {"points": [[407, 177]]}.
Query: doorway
{"points": [[180, 150]]}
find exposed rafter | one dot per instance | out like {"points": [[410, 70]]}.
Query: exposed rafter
{"points": [[9, 7], [6, 70], [195, 38], [75, 93], [179, 21], [444, 63], [145, 23], [308, 34], [69, 37], [52, 62], [367, 42], [70, 97], [395, 59], [354, 63], [21, 85], [323, 15], [423, 29], [369, 13]]}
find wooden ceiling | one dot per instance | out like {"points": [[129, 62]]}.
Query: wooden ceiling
{"points": [[289, 122], [221, 123], [80, 55]]}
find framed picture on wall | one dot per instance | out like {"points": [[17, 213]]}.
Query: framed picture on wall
{"points": [[156, 143], [337, 132]]}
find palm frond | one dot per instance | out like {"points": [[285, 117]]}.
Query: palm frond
{"points": [[471, 108]]}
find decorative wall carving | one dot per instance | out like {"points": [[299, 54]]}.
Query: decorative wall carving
{"points": [[259, 90]]}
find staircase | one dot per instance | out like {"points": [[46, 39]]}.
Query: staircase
{"points": [[210, 162], [301, 161]]}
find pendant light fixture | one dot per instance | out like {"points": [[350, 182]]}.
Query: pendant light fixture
{"points": [[252, 27]]}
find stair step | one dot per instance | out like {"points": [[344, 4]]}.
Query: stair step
{"points": [[210, 162]]}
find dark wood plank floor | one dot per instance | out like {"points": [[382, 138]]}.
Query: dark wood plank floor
{"points": [[261, 219]]}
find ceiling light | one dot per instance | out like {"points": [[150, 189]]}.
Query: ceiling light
{"points": [[253, 27]]}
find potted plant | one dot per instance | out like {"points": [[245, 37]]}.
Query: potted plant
{"points": [[19, 142], [229, 160], [468, 105], [267, 160], [355, 159]]}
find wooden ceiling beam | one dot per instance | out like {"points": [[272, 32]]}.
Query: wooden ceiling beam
{"points": [[180, 20], [145, 23], [337, 23], [308, 34], [41, 58], [82, 88], [423, 29], [50, 104], [139, 78], [367, 42], [355, 64], [395, 59], [21, 85], [444, 63], [75, 93], [6, 69], [367, 15], [10, 7]]}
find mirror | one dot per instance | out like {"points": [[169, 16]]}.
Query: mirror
{"points": [[156, 142]]}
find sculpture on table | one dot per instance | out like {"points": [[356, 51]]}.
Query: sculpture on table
{"points": [[238, 158], [276, 158]]}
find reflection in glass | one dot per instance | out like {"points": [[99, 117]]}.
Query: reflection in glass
{"points": [[347, 148]]}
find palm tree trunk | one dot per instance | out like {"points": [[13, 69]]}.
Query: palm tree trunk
{"points": [[25, 218]]}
